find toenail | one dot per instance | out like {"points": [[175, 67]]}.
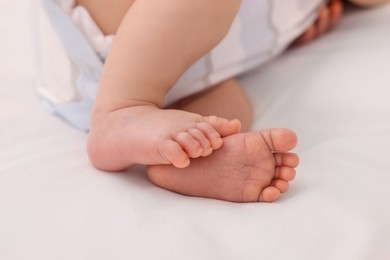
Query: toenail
{"points": [[186, 163]]}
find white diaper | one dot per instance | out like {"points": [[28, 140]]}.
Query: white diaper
{"points": [[83, 20], [71, 51]]}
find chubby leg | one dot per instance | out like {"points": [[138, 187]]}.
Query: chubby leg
{"points": [[227, 100], [155, 44], [248, 167]]}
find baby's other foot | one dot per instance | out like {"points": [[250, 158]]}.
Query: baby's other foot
{"points": [[149, 135], [249, 167]]}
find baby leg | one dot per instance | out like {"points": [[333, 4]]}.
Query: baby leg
{"points": [[156, 42], [227, 100]]}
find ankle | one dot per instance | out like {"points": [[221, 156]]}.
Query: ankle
{"points": [[100, 109]]}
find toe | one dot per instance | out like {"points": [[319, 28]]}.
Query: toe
{"points": [[223, 126], [286, 159], [173, 153], [285, 173], [279, 139], [281, 185], [211, 134], [202, 140], [269, 194], [190, 145]]}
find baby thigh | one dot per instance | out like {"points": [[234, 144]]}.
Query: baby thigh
{"points": [[107, 15], [157, 41]]}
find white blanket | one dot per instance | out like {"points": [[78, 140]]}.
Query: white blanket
{"points": [[335, 93]]}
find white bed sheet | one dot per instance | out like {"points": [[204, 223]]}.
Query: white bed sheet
{"points": [[335, 93]]}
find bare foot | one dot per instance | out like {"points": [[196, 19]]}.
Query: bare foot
{"points": [[149, 135], [249, 167], [328, 17]]}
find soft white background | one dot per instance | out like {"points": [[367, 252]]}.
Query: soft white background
{"points": [[335, 93]]}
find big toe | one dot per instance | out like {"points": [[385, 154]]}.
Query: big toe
{"points": [[279, 139], [269, 194], [223, 126]]}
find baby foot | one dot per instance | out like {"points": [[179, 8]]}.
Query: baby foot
{"points": [[328, 17], [249, 167], [149, 135]]}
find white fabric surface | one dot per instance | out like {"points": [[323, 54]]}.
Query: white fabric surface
{"points": [[335, 93]]}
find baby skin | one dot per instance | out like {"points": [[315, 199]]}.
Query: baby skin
{"points": [[193, 147]]}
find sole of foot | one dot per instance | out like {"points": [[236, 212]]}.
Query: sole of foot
{"points": [[249, 167]]}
